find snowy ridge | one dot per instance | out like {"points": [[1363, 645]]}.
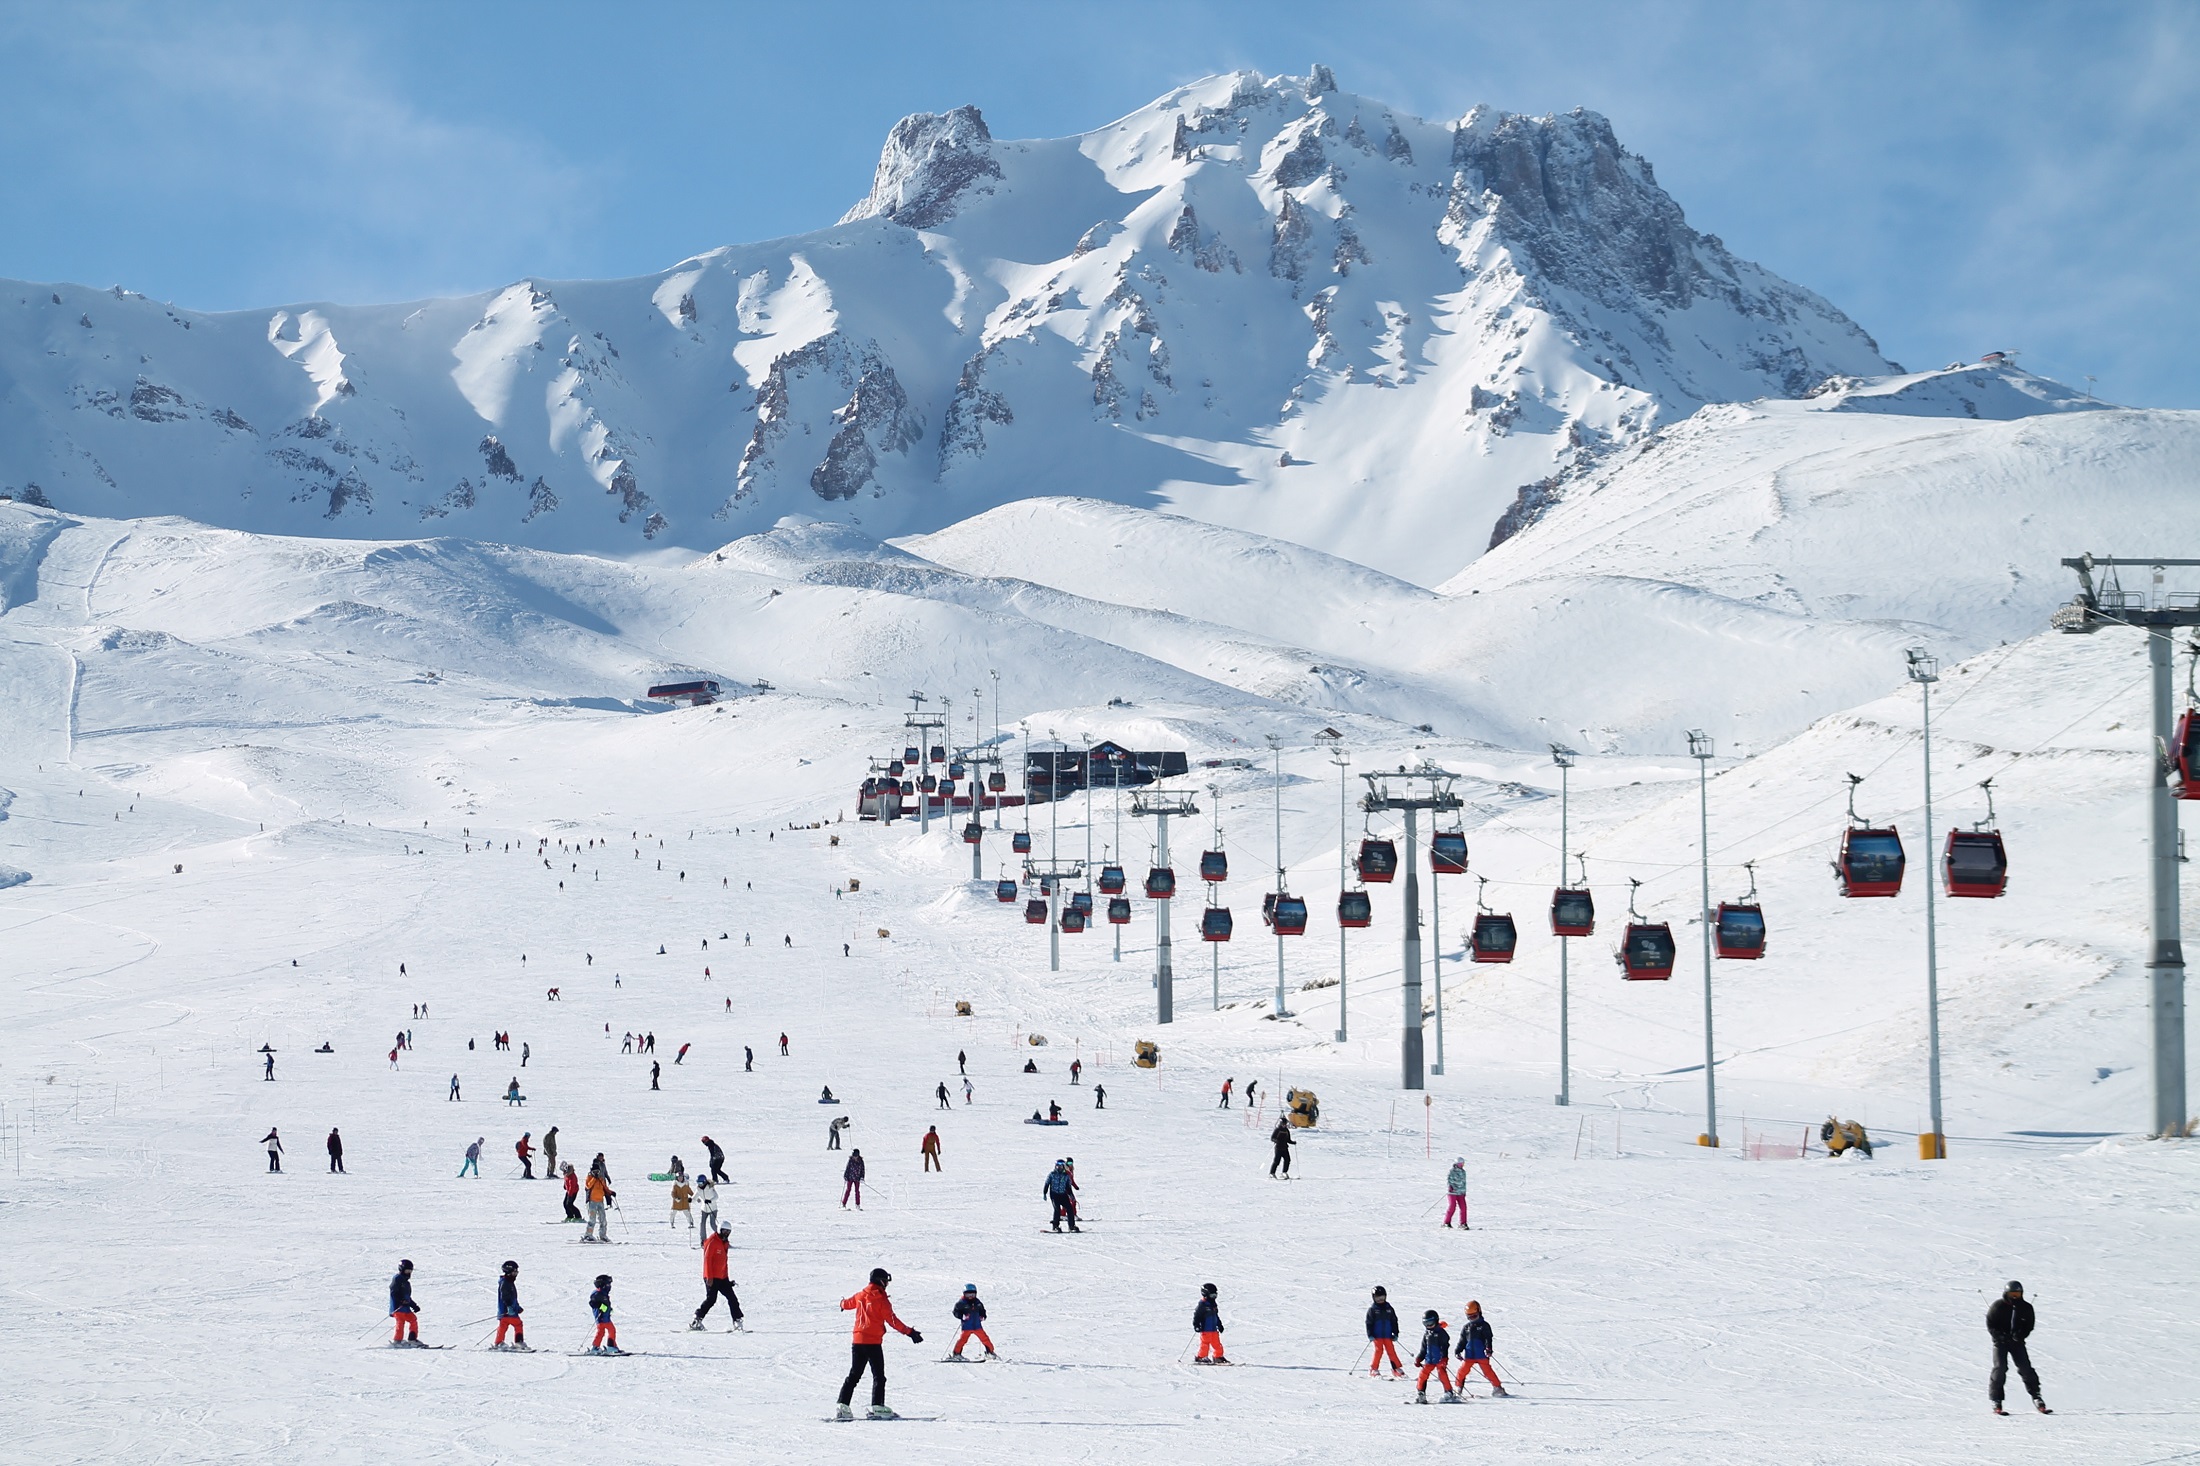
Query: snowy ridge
{"points": [[1259, 301]]}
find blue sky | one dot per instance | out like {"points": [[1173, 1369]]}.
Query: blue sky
{"points": [[1957, 177]]}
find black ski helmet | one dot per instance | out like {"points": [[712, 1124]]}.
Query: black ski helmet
{"points": [[603, 1280], [404, 1264], [1429, 1317], [2014, 1287], [880, 1277], [1381, 1294], [1206, 1290], [511, 1267]]}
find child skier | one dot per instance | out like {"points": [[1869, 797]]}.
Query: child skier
{"points": [[508, 1312], [1434, 1358], [1207, 1323], [1382, 1330], [406, 1333], [1476, 1344], [970, 1313], [607, 1332], [874, 1313], [716, 1283], [1455, 1188]]}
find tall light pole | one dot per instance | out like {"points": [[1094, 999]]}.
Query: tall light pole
{"points": [[1925, 671], [1564, 758], [1275, 747], [2110, 606], [1700, 749], [1342, 760]]}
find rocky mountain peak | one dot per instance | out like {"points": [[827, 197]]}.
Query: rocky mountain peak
{"points": [[931, 159]]}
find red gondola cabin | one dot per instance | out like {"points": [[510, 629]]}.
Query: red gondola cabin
{"points": [[1378, 861], [1739, 933], [1573, 914], [1871, 862], [1495, 936], [1646, 952], [1447, 853], [1355, 910], [1974, 863]]}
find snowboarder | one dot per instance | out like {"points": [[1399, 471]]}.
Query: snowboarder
{"points": [[1252, 1091], [406, 1332], [1054, 1112], [970, 1313], [682, 1055], [274, 1144], [473, 1159], [682, 1195], [525, 1149], [512, 1096], [572, 1193], [269, 1076], [653, 1071], [717, 1159], [748, 1055], [782, 1043], [1031, 1066], [1061, 1191], [335, 1152], [852, 1174], [1455, 1188], [941, 1092], [1280, 1138], [509, 1311], [550, 1152], [1434, 1358], [706, 1201], [930, 1149], [962, 1062], [1382, 1332], [825, 1095], [1099, 1096], [1226, 1094], [1476, 1344], [2009, 1324], [1207, 1323], [599, 1306], [832, 1133], [874, 1313], [716, 1283], [1076, 1067]]}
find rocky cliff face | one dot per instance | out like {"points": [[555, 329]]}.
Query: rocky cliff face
{"points": [[1263, 301]]}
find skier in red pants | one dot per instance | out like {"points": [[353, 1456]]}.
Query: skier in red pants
{"points": [[1434, 1358], [403, 1310], [1382, 1329], [970, 1313], [1476, 1344], [1207, 1321]]}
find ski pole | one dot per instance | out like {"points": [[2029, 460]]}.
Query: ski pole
{"points": [[1356, 1358]]}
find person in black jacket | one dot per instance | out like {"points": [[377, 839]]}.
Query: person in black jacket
{"points": [[1382, 1329], [1280, 1138], [509, 1311], [2009, 1323], [1207, 1323], [1434, 1358], [406, 1333]]}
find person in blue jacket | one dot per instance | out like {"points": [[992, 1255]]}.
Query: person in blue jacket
{"points": [[970, 1313], [1434, 1358], [1382, 1330], [406, 1313], [509, 1311], [1207, 1322], [1476, 1345]]}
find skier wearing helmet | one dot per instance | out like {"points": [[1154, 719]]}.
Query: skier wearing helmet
{"points": [[874, 1313], [508, 1312], [599, 1305], [1207, 1323]]}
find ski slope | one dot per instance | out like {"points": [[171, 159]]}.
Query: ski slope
{"points": [[336, 741]]}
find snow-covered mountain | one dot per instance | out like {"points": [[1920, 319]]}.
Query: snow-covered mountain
{"points": [[1258, 301]]}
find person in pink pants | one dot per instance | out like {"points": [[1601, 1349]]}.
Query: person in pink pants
{"points": [[1455, 1187]]}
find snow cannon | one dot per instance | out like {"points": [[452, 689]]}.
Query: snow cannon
{"points": [[1147, 1055], [1303, 1108], [962, 1010]]}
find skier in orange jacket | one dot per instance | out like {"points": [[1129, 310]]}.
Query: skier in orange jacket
{"points": [[874, 1313]]}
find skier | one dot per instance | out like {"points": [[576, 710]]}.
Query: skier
{"points": [[524, 1052], [1076, 1067], [874, 1313], [335, 1152], [406, 1333], [1382, 1331], [1434, 1358], [941, 1092], [1226, 1094], [748, 1055], [599, 1305], [1061, 1190], [682, 1195], [600, 1196], [852, 1174], [1476, 1344], [682, 1055], [715, 1280], [1252, 1091], [931, 1149], [782, 1046], [454, 1087], [550, 1152], [706, 1200], [962, 1062], [2009, 1324], [653, 1071], [274, 1144], [269, 1076], [717, 1159], [832, 1133], [1455, 1187], [526, 1154], [1207, 1323], [1280, 1138], [970, 1313], [509, 1311], [572, 1193], [1099, 1096]]}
